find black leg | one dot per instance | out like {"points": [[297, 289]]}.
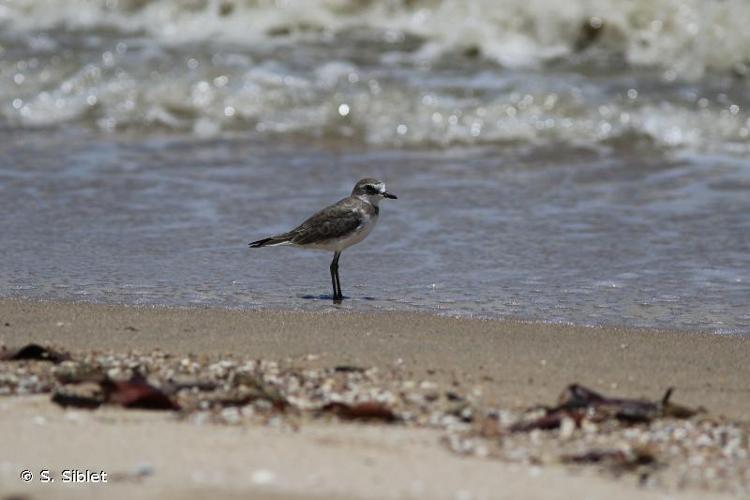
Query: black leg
{"points": [[334, 269], [337, 295], [338, 279]]}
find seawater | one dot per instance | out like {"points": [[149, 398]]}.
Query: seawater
{"points": [[581, 162]]}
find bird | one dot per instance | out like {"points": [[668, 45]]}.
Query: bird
{"points": [[336, 227]]}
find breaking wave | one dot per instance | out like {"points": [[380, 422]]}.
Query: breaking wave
{"points": [[395, 72], [688, 37]]}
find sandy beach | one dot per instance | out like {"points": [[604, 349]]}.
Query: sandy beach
{"points": [[553, 305], [509, 365]]}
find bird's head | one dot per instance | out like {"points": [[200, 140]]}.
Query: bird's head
{"points": [[372, 191]]}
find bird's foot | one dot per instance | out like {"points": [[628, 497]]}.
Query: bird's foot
{"points": [[323, 297]]}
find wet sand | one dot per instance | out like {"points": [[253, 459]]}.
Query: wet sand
{"points": [[513, 365]]}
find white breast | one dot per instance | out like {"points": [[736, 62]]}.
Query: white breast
{"points": [[359, 235], [353, 238]]}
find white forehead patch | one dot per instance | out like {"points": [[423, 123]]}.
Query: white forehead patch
{"points": [[380, 187]]}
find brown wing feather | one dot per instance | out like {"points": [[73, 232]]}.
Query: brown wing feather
{"points": [[333, 222]]}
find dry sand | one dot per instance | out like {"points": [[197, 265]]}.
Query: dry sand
{"points": [[317, 462], [514, 364]]}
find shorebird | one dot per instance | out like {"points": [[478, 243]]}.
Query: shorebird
{"points": [[337, 227]]}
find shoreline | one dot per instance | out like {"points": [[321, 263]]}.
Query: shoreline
{"points": [[493, 364], [327, 308]]}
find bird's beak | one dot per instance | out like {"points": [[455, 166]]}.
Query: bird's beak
{"points": [[390, 196]]}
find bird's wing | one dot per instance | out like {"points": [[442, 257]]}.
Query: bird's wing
{"points": [[336, 221]]}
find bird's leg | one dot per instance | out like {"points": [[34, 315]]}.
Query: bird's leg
{"points": [[334, 266], [338, 279], [337, 295]]}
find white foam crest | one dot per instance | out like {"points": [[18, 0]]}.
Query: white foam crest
{"points": [[340, 100], [685, 38]]}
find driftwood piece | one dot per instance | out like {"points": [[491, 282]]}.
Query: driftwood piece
{"points": [[368, 411], [136, 393], [578, 403], [34, 352], [133, 393], [615, 459]]}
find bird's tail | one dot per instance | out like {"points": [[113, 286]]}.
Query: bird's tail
{"points": [[270, 242]]}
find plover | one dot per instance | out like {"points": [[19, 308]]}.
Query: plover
{"points": [[337, 227]]}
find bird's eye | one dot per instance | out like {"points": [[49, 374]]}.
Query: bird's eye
{"points": [[371, 190]]}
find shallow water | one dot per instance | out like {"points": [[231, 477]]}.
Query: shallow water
{"points": [[541, 175], [551, 234]]}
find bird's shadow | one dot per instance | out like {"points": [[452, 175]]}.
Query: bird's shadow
{"points": [[329, 298]]}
